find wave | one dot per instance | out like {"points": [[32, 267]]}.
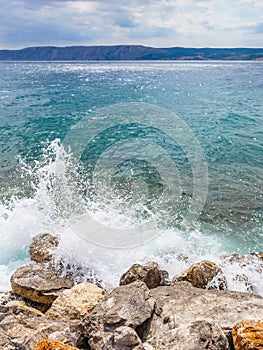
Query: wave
{"points": [[56, 197]]}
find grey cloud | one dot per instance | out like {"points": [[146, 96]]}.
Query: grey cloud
{"points": [[208, 25], [124, 22], [151, 32], [122, 18], [259, 28], [255, 28]]}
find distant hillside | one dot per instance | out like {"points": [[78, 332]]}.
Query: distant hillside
{"points": [[128, 52]]}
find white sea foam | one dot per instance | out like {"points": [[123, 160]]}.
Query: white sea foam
{"points": [[51, 205]]}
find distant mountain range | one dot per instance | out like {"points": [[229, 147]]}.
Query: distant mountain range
{"points": [[128, 52]]}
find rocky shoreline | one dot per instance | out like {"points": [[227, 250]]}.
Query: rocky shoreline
{"points": [[49, 309]]}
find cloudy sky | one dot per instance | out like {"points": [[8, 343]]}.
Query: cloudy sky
{"points": [[159, 23]]}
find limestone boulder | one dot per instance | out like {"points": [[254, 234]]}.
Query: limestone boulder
{"points": [[248, 335], [150, 274], [75, 303], [38, 283], [180, 306], [43, 247], [21, 328], [126, 306], [204, 274]]}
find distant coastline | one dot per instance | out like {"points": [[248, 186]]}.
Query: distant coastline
{"points": [[129, 52]]}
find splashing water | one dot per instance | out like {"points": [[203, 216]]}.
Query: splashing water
{"points": [[56, 195]]}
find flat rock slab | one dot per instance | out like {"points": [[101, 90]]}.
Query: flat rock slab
{"points": [[38, 283], [178, 306]]}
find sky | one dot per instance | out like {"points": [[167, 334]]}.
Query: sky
{"points": [[158, 23]]}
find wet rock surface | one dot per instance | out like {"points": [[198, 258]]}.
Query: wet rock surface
{"points": [[204, 274], [43, 247], [150, 274], [38, 283]]}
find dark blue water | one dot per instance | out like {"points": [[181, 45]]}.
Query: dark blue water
{"points": [[206, 117]]}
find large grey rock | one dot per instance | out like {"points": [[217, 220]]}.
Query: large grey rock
{"points": [[198, 335], [22, 329], [180, 306], [43, 247], [38, 283], [150, 274], [128, 306]]}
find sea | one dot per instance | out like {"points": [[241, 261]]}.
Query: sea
{"points": [[133, 161]]}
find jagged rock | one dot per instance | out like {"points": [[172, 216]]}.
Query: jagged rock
{"points": [[128, 305], [38, 283], [21, 328], [150, 274], [75, 303], [248, 335], [204, 274], [50, 344], [181, 305], [42, 247], [125, 338], [5, 342]]}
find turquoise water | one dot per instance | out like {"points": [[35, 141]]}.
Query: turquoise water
{"points": [[195, 119]]}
